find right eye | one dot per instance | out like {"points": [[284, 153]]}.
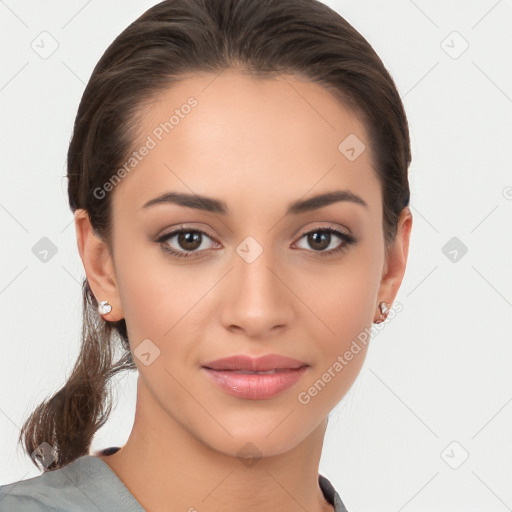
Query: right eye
{"points": [[187, 240]]}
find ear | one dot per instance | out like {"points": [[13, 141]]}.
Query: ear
{"points": [[98, 265], [396, 259]]}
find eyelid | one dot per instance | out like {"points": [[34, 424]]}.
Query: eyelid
{"points": [[166, 233], [336, 227]]}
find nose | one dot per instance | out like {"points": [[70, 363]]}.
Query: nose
{"points": [[256, 300]]}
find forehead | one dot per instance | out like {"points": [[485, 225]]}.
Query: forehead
{"points": [[216, 134]]}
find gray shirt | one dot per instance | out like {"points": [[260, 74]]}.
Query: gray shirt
{"points": [[88, 484]]}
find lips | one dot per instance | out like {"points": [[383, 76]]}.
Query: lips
{"points": [[252, 378], [246, 365], [248, 372], [256, 386]]}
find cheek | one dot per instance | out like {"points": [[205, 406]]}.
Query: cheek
{"points": [[345, 302], [143, 287], [348, 315], [342, 297], [345, 306], [151, 305], [160, 300]]}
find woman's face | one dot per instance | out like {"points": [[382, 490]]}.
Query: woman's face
{"points": [[259, 279]]}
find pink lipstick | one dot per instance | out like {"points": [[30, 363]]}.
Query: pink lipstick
{"points": [[255, 378]]}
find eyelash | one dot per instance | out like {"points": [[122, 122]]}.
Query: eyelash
{"points": [[347, 241]]}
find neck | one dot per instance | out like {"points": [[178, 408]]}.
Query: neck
{"points": [[162, 463]]}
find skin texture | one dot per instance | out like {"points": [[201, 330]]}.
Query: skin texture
{"points": [[258, 145]]}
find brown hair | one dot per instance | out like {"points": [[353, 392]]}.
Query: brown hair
{"points": [[172, 39]]}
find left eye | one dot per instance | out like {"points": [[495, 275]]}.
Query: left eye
{"points": [[317, 239]]}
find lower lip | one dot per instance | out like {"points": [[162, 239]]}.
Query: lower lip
{"points": [[255, 386]]}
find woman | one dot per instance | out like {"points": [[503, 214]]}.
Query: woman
{"points": [[238, 178]]}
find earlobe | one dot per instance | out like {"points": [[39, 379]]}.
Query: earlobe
{"points": [[396, 259], [98, 266]]}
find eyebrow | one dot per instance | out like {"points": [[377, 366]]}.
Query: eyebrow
{"points": [[213, 205]]}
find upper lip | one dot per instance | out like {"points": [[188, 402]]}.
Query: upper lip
{"points": [[260, 364]]}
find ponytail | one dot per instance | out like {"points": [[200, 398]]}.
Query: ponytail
{"points": [[68, 420]]}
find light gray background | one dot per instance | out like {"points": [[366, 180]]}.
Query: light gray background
{"points": [[436, 385]]}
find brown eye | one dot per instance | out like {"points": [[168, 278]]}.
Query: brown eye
{"points": [[187, 242], [321, 239]]}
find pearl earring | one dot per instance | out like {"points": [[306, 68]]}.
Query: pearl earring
{"points": [[104, 307], [384, 310]]}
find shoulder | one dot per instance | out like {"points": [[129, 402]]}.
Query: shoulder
{"points": [[46, 492], [87, 483]]}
